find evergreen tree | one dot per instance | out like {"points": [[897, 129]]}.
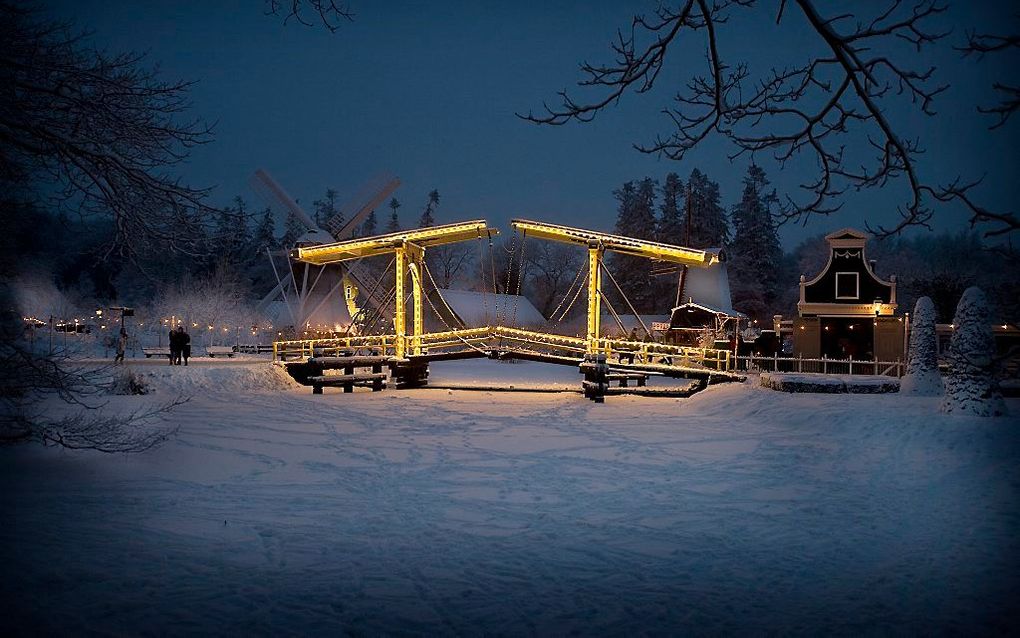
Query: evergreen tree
{"points": [[293, 229], [370, 225], [671, 221], [427, 218], [971, 387], [635, 218], [264, 235], [394, 225], [230, 234], [755, 254], [709, 227], [922, 378], [326, 209]]}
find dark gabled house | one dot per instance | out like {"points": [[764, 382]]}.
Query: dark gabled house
{"points": [[847, 310]]}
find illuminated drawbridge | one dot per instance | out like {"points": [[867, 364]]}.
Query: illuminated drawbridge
{"points": [[406, 348]]}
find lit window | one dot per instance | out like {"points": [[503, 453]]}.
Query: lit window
{"points": [[847, 285]]}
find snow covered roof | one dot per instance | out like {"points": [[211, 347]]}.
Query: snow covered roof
{"points": [[630, 322], [709, 309], [475, 309]]}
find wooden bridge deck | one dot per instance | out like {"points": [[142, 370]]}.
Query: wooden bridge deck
{"points": [[497, 342]]}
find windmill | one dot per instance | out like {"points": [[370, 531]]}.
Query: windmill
{"points": [[320, 296]]}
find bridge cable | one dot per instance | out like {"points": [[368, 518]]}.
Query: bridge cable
{"points": [[629, 304]]}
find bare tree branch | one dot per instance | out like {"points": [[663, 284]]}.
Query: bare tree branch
{"points": [[97, 133], [820, 109], [329, 13], [980, 44]]}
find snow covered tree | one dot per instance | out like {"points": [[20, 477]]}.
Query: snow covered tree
{"points": [[427, 215], [394, 223], [970, 386], [755, 253], [671, 217], [326, 209], [922, 378], [709, 227]]}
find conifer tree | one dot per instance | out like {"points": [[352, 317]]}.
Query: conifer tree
{"points": [[370, 225], [264, 235], [326, 209], [755, 253], [293, 229], [671, 221], [971, 387], [394, 225], [922, 378], [709, 226], [427, 218], [635, 218]]}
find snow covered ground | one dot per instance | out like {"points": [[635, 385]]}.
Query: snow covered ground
{"points": [[739, 510]]}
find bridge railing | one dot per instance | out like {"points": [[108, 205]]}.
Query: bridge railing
{"points": [[295, 349], [651, 353], [621, 350]]}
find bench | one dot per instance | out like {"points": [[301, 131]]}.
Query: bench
{"points": [[625, 377], [212, 351], [335, 363], [374, 380], [156, 352]]}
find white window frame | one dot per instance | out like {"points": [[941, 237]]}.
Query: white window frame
{"points": [[857, 285]]}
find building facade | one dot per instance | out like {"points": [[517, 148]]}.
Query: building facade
{"points": [[847, 311]]}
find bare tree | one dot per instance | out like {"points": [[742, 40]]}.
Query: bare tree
{"points": [[29, 382], [812, 109], [555, 269], [98, 133], [326, 12], [447, 263]]}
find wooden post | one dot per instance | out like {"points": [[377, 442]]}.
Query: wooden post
{"points": [[349, 371], [594, 296], [851, 364], [400, 318], [825, 364]]}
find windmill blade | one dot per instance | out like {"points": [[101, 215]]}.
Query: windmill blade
{"points": [[272, 192], [367, 200]]}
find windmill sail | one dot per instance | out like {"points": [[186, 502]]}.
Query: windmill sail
{"points": [[367, 200]]}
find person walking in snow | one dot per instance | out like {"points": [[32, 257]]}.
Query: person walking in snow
{"points": [[185, 345], [121, 346], [175, 349]]}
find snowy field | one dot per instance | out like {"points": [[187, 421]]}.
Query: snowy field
{"points": [[739, 510]]}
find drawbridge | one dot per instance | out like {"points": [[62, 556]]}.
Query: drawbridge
{"points": [[404, 344]]}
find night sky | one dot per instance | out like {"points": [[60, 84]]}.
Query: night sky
{"points": [[428, 92]]}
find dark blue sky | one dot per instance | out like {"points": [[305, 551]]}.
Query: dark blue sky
{"points": [[428, 91]]}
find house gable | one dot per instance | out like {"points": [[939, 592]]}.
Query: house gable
{"points": [[847, 285]]}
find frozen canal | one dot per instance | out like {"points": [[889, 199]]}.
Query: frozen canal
{"points": [[433, 511]]}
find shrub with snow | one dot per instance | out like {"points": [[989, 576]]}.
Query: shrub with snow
{"points": [[971, 387], [922, 378], [127, 382]]}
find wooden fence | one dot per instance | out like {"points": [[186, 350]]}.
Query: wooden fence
{"points": [[825, 365]]}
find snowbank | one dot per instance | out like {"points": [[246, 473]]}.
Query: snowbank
{"points": [[211, 379], [829, 383]]}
